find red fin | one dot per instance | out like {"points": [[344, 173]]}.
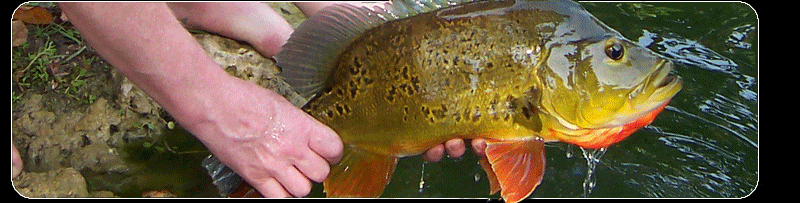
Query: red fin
{"points": [[518, 166], [360, 174], [245, 191], [494, 185]]}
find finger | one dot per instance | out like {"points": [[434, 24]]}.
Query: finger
{"points": [[313, 167], [479, 147], [16, 162], [434, 154], [325, 142], [455, 147], [294, 182], [270, 188]]}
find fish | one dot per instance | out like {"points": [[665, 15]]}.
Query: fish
{"points": [[396, 81]]}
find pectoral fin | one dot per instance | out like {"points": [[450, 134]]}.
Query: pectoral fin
{"points": [[514, 167], [359, 174]]}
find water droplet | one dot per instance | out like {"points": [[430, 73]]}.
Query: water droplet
{"points": [[422, 179], [592, 157]]}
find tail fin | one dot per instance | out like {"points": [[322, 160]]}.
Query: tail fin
{"points": [[514, 167], [360, 174]]}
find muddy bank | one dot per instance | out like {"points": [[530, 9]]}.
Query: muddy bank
{"points": [[76, 148]]}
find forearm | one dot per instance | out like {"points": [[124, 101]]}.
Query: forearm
{"points": [[252, 22], [149, 46]]}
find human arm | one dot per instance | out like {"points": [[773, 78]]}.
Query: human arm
{"points": [[267, 31], [269, 142]]}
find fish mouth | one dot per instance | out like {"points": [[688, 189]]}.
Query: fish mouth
{"points": [[664, 82], [670, 79]]}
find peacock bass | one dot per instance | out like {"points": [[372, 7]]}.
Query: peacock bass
{"points": [[396, 81]]}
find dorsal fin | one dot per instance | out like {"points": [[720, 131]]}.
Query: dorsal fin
{"points": [[311, 51]]}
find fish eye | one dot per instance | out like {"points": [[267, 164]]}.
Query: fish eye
{"points": [[614, 50]]}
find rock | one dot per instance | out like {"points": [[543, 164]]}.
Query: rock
{"points": [[99, 158], [102, 194], [63, 182], [289, 12], [48, 150]]}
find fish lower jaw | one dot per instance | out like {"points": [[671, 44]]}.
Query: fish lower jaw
{"points": [[590, 138], [603, 137]]}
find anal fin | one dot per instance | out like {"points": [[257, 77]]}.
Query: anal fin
{"points": [[245, 190], [360, 174], [515, 167]]}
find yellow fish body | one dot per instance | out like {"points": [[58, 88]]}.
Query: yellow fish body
{"points": [[395, 82]]}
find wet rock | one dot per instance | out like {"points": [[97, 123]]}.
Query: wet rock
{"points": [[244, 62], [63, 182], [98, 157], [240, 60], [289, 12], [135, 99], [102, 194], [96, 123], [48, 147]]}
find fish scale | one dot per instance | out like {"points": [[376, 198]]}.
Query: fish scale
{"points": [[395, 82]]}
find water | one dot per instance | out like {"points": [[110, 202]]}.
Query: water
{"points": [[704, 144]]}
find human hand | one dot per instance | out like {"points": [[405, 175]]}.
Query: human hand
{"points": [[455, 148], [274, 146]]}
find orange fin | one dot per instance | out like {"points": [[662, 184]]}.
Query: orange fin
{"points": [[514, 167], [359, 174], [494, 184], [245, 191]]}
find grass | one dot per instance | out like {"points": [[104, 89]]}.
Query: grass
{"points": [[55, 59]]}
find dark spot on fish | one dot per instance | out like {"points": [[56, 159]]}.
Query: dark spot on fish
{"points": [[405, 73], [526, 112], [476, 115], [415, 83], [354, 70], [392, 90], [489, 65], [339, 109], [339, 91], [356, 62], [353, 91]]}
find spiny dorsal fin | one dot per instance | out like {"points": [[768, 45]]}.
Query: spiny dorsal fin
{"points": [[311, 51]]}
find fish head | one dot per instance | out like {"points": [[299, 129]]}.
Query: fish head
{"points": [[599, 90]]}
